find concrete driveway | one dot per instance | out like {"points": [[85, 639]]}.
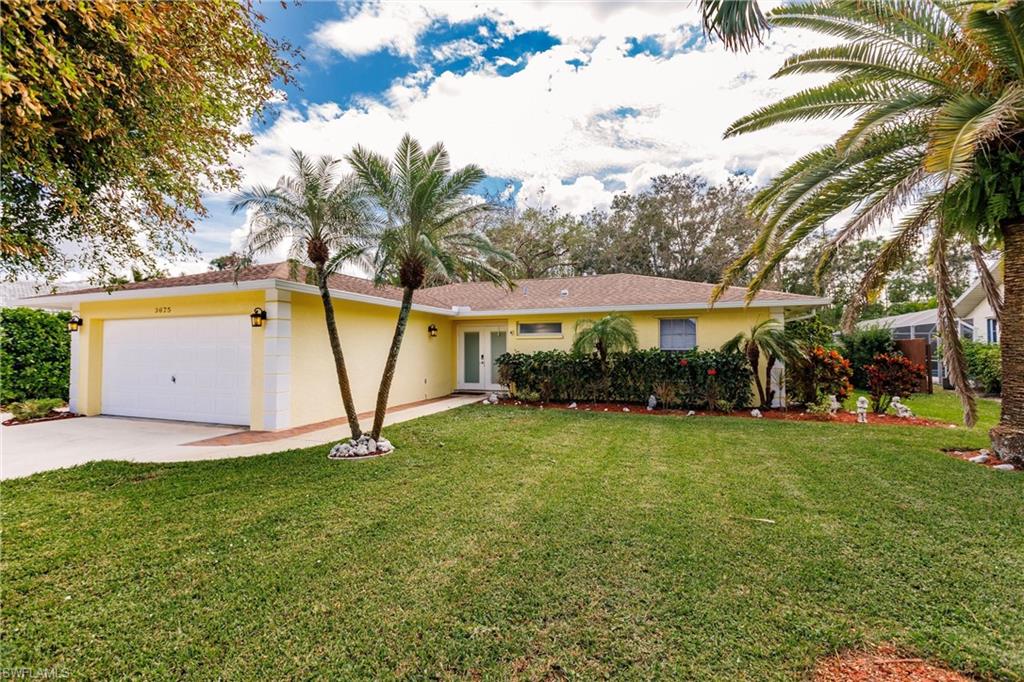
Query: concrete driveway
{"points": [[31, 448]]}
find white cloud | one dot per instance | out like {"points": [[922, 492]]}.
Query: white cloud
{"points": [[397, 26], [579, 196], [392, 26], [552, 120]]}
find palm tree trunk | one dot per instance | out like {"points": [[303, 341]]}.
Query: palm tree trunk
{"points": [[754, 358], [769, 365], [1008, 435], [389, 364], [339, 358]]}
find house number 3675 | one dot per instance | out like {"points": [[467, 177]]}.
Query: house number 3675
{"points": [[162, 309]]}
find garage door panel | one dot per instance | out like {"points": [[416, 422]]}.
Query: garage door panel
{"points": [[186, 368]]}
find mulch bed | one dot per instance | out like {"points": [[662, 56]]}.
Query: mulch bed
{"points": [[882, 664], [53, 416], [966, 454], [796, 414]]}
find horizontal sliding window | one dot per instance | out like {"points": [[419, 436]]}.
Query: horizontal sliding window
{"points": [[678, 334], [540, 328]]}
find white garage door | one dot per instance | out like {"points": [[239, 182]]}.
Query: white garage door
{"points": [[186, 368]]}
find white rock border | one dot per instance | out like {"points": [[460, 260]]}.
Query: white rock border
{"points": [[363, 447]]}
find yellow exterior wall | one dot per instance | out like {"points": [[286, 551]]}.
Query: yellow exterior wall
{"points": [[90, 390], [714, 327], [424, 369], [427, 366]]}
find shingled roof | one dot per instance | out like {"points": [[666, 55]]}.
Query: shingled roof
{"points": [[598, 291]]}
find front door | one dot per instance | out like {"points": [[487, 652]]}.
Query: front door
{"points": [[479, 347]]}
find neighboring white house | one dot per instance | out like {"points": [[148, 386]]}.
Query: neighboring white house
{"points": [[921, 324], [977, 321], [975, 312]]}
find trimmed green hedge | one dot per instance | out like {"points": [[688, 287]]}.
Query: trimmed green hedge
{"points": [[695, 379], [35, 355]]}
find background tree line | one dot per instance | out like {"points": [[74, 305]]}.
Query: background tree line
{"points": [[686, 228]]}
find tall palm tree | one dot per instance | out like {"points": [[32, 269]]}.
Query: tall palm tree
{"points": [[938, 90], [610, 334], [323, 216], [426, 234], [767, 338]]}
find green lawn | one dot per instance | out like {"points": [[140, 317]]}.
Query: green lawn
{"points": [[533, 544]]}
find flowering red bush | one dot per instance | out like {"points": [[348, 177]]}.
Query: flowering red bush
{"points": [[823, 372], [891, 375]]}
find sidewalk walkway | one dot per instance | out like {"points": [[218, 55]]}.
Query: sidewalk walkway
{"points": [[32, 448]]}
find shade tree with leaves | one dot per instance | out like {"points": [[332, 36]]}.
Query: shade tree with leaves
{"points": [[425, 232], [937, 92], [117, 118], [323, 217]]}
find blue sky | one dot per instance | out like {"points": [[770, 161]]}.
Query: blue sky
{"points": [[565, 103]]}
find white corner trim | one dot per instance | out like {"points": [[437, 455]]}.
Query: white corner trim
{"points": [[277, 361], [73, 380]]}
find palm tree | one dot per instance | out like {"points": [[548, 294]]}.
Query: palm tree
{"points": [[610, 334], [938, 140], [322, 215], [768, 338], [426, 236], [737, 23]]}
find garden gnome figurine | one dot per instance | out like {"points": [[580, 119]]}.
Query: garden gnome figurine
{"points": [[862, 410], [652, 402], [902, 411]]}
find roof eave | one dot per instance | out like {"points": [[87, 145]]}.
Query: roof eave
{"points": [[72, 301], [641, 307]]}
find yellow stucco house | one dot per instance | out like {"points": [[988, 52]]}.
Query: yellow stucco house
{"points": [[188, 348]]}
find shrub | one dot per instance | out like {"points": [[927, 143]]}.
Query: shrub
{"points": [[862, 346], [822, 373], [697, 379], [811, 332], [891, 375], [984, 365], [35, 355], [34, 409]]}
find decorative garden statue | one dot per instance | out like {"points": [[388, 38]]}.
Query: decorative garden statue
{"points": [[902, 411], [652, 402], [862, 410], [834, 405]]}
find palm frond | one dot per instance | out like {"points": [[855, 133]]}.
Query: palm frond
{"points": [[869, 61], [737, 23], [841, 97], [1000, 27], [968, 121], [895, 251], [952, 349]]}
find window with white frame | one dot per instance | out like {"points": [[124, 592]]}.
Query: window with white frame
{"points": [[678, 334], [993, 330], [539, 329]]}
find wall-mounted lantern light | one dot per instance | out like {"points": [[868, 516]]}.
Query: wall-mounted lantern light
{"points": [[257, 318], [432, 330], [75, 323]]}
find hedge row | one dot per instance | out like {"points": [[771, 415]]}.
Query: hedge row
{"points": [[691, 379], [35, 355]]}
